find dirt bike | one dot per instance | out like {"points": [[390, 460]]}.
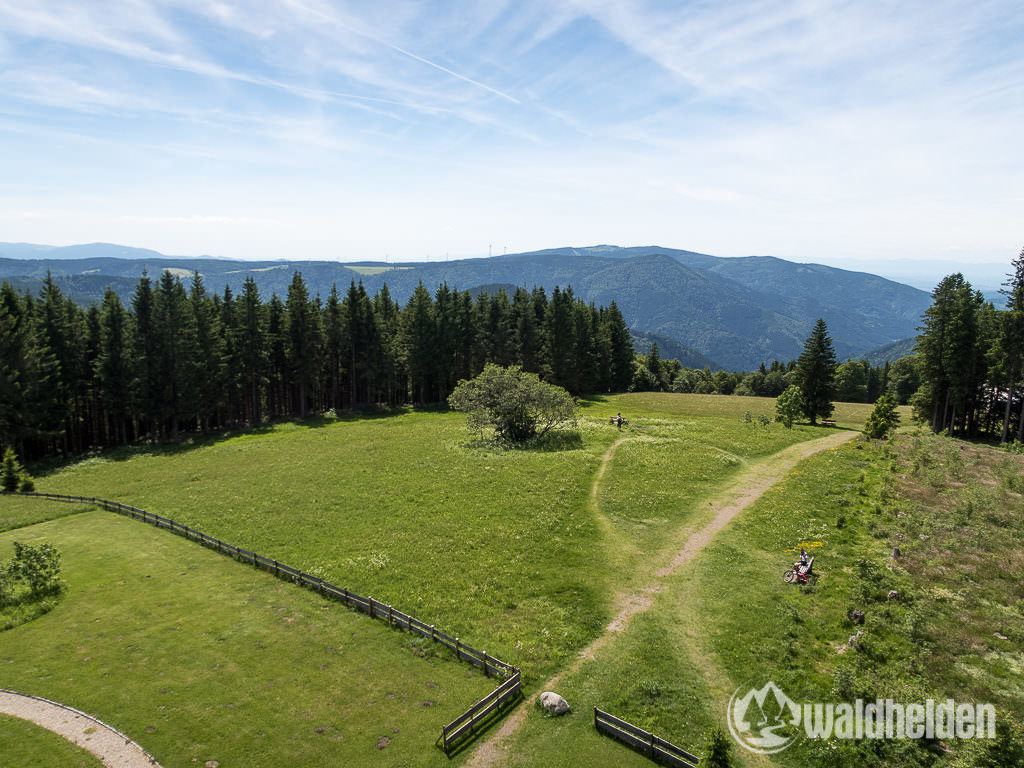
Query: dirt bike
{"points": [[795, 573]]}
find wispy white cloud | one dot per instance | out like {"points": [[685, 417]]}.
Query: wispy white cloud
{"points": [[629, 121]]}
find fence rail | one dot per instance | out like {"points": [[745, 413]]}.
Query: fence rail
{"points": [[457, 733], [644, 742], [465, 727]]}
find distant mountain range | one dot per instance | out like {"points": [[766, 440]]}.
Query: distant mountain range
{"points": [[730, 312]]}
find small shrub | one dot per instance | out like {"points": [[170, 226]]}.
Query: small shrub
{"points": [[789, 406], [718, 750], [883, 419], [844, 682], [36, 566], [10, 472]]}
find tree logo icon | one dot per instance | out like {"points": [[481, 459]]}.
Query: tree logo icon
{"points": [[764, 720]]}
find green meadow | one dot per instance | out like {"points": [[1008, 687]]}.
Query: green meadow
{"points": [[522, 553], [25, 745]]}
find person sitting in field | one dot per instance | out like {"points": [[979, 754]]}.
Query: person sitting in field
{"points": [[805, 563]]}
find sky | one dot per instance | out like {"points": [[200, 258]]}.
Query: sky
{"points": [[813, 130]]}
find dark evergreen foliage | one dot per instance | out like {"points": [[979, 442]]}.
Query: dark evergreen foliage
{"points": [[815, 373], [183, 360]]}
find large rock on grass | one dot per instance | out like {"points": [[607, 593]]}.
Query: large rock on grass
{"points": [[554, 703]]}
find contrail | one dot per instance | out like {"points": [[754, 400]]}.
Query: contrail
{"points": [[443, 69], [332, 19]]}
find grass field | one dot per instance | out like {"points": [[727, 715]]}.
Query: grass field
{"points": [[198, 657], [385, 506], [956, 628], [24, 745], [518, 552]]}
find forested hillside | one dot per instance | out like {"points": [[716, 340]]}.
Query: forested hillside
{"points": [[737, 312]]}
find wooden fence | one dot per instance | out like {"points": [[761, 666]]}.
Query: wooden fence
{"points": [[457, 733], [657, 749], [466, 726]]}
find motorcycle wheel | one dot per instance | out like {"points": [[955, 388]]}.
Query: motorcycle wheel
{"points": [[788, 576]]}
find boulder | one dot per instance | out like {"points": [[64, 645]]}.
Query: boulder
{"points": [[857, 617], [554, 703], [893, 594]]}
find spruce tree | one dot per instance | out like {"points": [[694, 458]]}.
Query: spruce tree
{"points": [[417, 343], [113, 368], [210, 361], [361, 344], [445, 340], [10, 472], [252, 348], [465, 337], [303, 333], [815, 373], [653, 364], [622, 350], [145, 357], [334, 342], [527, 333], [174, 358], [1011, 350], [277, 357], [15, 377], [386, 313], [561, 332]]}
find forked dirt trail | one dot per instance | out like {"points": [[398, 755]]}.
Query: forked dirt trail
{"points": [[744, 489], [112, 747]]}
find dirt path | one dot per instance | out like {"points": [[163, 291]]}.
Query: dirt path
{"points": [[112, 747], [748, 486]]}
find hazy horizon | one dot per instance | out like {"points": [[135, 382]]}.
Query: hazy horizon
{"points": [[919, 273]]}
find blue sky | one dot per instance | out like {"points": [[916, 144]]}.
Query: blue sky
{"points": [[813, 130]]}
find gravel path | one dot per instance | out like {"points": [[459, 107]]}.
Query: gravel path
{"points": [[112, 747], [744, 490]]}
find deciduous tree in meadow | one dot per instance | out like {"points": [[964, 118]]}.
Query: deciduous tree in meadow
{"points": [[515, 404]]}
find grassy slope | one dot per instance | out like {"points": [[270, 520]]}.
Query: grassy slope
{"points": [[24, 745], [387, 506], [198, 657], [653, 496], [957, 587]]}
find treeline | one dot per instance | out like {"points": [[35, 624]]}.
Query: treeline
{"points": [[972, 359], [856, 381], [179, 359]]}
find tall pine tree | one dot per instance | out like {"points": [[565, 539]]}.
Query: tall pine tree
{"points": [[815, 373]]}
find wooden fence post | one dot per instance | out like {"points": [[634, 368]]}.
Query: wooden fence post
{"points": [[486, 674]]}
